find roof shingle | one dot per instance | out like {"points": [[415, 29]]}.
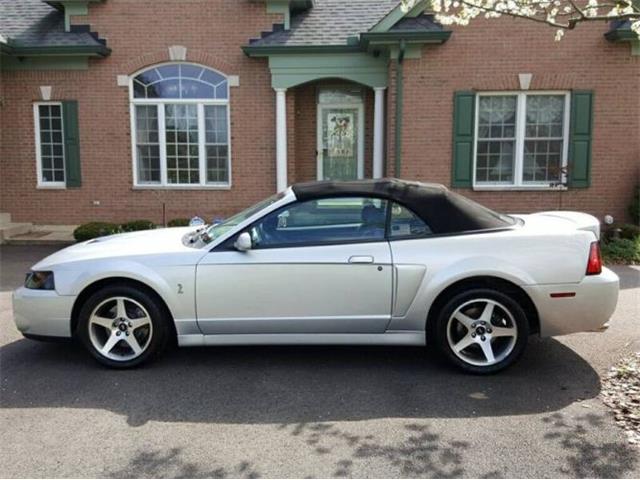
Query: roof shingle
{"points": [[330, 22], [33, 23]]}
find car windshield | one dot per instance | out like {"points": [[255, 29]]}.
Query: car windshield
{"points": [[216, 230]]}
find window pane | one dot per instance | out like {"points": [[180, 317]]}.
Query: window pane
{"points": [[215, 119], [216, 139], [180, 81], [494, 161], [544, 142], [497, 117], [181, 134], [51, 143], [323, 221], [495, 155], [405, 223], [147, 144]]}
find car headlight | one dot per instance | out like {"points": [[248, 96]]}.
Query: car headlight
{"points": [[39, 281]]}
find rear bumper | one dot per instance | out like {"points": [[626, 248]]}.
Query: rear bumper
{"points": [[42, 313], [594, 302]]}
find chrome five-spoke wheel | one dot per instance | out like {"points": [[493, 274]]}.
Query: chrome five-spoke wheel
{"points": [[120, 328], [123, 325], [482, 332]]}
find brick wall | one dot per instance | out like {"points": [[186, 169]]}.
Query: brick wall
{"points": [[139, 36], [488, 55]]}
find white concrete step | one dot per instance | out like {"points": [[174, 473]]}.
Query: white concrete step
{"points": [[9, 230], [5, 218]]}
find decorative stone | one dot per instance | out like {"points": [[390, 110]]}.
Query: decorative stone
{"points": [[45, 93], [178, 53]]}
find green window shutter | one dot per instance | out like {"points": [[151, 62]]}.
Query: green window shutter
{"points": [[463, 131], [579, 173], [71, 143]]}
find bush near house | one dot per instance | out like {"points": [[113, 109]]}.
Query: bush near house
{"points": [[137, 225], [91, 230], [178, 222], [95, 229], [621, 244], [622, 250]]}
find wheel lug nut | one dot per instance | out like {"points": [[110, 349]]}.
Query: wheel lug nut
{"points": [[127, 334], [483, 338], [130, 324], [489, 330], [118, 333], [473, 335]]}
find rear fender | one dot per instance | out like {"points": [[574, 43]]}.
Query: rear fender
{"points": [[434, 284]]}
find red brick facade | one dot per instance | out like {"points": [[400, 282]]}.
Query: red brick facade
{"points": [[488, 55]]}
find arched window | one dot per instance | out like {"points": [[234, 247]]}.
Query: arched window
{"points": [[181, 126]]}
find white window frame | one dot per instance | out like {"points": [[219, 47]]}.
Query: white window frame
{"points": [[521, 116], [202, 161], [36, 116]]}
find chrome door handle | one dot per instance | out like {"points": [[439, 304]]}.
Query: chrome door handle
{"points": [[361, 259]]}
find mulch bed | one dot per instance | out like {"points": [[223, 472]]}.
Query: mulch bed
{"points": [[621, 392]]}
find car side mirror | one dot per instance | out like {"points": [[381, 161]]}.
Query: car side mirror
{"points": [[243, 242]]}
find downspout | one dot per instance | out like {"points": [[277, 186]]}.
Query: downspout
{"points": [[399, 93]]}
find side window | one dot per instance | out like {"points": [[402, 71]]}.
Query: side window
{"points": [[405, 223], [322, 221], [50, 144]]}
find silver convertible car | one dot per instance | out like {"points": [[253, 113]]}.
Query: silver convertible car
{"points": [[371, 262]]}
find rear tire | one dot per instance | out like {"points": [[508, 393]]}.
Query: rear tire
{"points": [[122, 326], [481, 331]]}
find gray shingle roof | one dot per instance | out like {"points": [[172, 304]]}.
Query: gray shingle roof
{"points": [[422, 23], [330, 22], [33, 23]]}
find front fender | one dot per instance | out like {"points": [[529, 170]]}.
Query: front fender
{"points": [[174, 284]]}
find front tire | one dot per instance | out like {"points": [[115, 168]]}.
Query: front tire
{"points": [[122, 326], [482, 331]]}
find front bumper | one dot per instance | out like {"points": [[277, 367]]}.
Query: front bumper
{"points": [[42, 313], [594, 302]]}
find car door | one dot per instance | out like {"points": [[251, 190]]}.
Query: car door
{"points": [[321, 266]]}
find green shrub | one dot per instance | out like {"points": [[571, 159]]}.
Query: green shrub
{"points": [[634, 208], [622, 250], [95, 229], [178, 222], [626, 230], [137, 225]]}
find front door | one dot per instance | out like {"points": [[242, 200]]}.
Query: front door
{"points": [[340, 141]]}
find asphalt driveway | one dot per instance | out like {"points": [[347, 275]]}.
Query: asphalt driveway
{"points": [[310, 412]]}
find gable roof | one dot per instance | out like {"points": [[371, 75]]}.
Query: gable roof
{"points": [[34, 26], [329, 22]]}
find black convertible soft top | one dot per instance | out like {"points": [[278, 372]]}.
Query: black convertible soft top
{"points": [[442, 210]]}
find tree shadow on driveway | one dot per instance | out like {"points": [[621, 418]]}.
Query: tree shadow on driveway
{"points": [[291, 384]]}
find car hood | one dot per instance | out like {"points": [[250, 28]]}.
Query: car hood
{"points": [[143, 243]]}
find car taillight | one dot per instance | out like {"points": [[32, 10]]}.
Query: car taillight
{"points": [[594, 264]]}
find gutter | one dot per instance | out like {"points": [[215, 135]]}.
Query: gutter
{"points": [[53, 50], [399, 102]]}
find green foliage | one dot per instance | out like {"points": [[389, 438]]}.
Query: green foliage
{"points": [[625, 230], [95, 229], [137, 225], [634, 207], [178, 222], [621, 250], [91, 230]]}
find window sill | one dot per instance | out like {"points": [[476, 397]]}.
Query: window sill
{"points": [[42, 186], [181, 187], [518, 188]]}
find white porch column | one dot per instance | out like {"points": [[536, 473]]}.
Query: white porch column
{"points": [[281, 138], [378, 132]]}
